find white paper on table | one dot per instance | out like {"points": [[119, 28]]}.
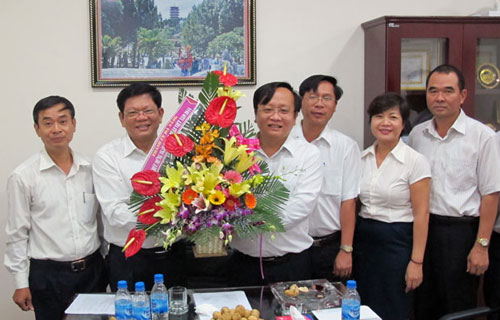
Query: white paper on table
{"points": [[228, 299], [336, 314], [92, 304]]}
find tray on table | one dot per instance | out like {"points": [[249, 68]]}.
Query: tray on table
{"points": [[321, 294]]}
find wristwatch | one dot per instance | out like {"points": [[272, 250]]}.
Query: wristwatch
{"points": [[483, 242], [346, 248]]}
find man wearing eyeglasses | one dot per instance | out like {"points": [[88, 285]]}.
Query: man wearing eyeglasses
{"points": [[332, 221], [114, 164]]}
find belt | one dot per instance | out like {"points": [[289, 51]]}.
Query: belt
{"points": [[434, 218], [324, 240], [73, 266], [278, 259]]}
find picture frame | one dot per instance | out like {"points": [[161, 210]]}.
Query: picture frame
{"points": [[418, 57], [415, 65], [171, 43]]}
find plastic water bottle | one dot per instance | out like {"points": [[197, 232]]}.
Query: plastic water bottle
{"points": [[351, 302], [140, 307], [159, 299], [123, 302]]}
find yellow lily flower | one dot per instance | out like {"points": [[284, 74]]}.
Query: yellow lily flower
{"points": [[173, 179], [229, 92], [239, 189], [245, 161], [230, 151], [171, 200]]}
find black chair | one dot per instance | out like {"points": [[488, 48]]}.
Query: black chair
{"points": [[470, 313]]}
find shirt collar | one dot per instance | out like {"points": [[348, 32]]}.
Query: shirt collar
{"points": [[129, 147], [397, 152], [288, 146], [325, 135], [46, 161], [458, 126]]}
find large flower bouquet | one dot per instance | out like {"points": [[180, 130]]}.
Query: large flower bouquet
{"points": [[212, 184]]}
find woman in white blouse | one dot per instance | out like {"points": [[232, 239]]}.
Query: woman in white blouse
{"points": [[391, 232]]}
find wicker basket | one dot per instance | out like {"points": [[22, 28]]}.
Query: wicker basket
{"points": [[213, 248]]}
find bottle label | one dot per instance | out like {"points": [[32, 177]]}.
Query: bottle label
{"points": [[123, 309], [350, 309], [159, 305], [142, 313]]}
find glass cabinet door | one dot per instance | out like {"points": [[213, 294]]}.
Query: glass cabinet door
{"points": [[418, 57], [487, 82]]}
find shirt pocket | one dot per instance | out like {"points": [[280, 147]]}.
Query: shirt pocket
{"points": [[460, 174], [88, 208], [332, 182]]}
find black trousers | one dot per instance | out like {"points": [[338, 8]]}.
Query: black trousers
{"points": [[53, 284], [145, 264], [447, 287], [492, 276], [244, 270], [382, 252], [323, 257]]}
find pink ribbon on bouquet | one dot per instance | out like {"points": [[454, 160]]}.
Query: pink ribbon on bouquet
{"points": [[158, 153]]}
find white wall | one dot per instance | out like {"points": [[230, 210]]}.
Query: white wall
{"points": [[45, 50]]}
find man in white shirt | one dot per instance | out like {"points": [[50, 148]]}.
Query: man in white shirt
{"points": [[332, 220], [114, 165], [464, 156], [52, 240], [285, 257]]}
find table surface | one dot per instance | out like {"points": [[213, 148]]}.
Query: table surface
{"points": [[260, 297]]}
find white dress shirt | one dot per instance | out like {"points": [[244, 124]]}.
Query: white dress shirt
{"points": [[341, 170], [299, 163], [50, 215], [496, 228], [385, 191], [464, 164], [113, 166]]}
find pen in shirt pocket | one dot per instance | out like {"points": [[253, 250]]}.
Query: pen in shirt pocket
{"points": [[84, 197]]}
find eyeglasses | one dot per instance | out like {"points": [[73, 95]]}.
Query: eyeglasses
{"points": [[326, 99], [134, 113]]}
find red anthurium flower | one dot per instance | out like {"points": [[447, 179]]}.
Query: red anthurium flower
{"points": [[148, 209], [146, 182], [227, 79], [178, 144], [221, 111], [134, 242]]}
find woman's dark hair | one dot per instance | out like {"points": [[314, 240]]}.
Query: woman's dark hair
{"points": [[388, 101]]}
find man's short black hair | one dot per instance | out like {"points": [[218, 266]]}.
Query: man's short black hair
{"points": [[448, 68], [51, 101], [137, 89], [387, 101], [265, 93], [312, 83]]}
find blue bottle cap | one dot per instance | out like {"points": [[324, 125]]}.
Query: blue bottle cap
{"points": [[158, 277], [351, 284], [122, 284], [139, 286]]}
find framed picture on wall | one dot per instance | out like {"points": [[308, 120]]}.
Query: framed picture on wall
{"points": [[415, 65], [170, 42]]}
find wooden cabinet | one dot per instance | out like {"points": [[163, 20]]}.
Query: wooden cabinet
{"points": [[400, 52]]}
